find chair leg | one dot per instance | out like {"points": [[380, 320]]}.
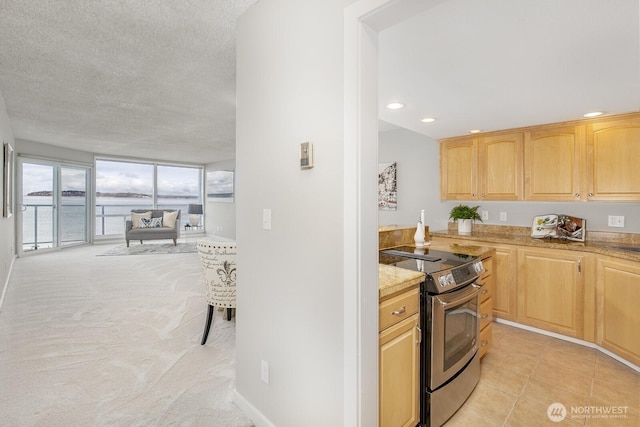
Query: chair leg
{"points": [[127, 243], [207, 325], [229, 313], [175, 242]]}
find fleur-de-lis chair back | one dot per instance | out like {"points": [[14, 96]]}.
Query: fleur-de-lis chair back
{"points": [[219, 263]]}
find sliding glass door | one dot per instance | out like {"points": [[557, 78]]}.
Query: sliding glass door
{"points": [[54, 205]]}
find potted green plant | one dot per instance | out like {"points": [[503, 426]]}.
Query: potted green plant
{"points": [[465, 215]]}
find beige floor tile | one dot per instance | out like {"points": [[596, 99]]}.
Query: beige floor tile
{"points": [[513, 361], [570, 360], [530, 336], [520, 345], [502, 378], [492, 402], [527, 413], [563, 378], [467, 416], [544, 393], [626, 420], [579, 350], [611, 371], [611, 395]]}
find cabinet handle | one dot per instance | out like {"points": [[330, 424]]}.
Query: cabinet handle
{"points": [[483, 343], [577, 195], [484, 291], [484, 316], [399, 312], [473, 195], [579, 266], [590, 194], [419, 334]]}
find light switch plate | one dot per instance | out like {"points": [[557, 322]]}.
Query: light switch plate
{"points": [[306, 155]]}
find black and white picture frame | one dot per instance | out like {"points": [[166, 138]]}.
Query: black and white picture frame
{"points": [[387, 187], [7, 179], [220, 186]]}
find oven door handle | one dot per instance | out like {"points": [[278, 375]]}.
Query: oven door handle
{"points": [[459, 297]]}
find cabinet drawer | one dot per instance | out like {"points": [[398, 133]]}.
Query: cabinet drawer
{"points": [[485, 292], [485, 313], [398, 308], [485, 340]]}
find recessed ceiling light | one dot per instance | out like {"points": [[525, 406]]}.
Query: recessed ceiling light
{"points": [[593, 114], [395, 105], [428, 120], [475, 131]]}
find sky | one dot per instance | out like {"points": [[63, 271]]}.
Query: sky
{"points": [[117, 177]]}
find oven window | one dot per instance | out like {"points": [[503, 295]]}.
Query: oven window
{"points": [[460, 328]]}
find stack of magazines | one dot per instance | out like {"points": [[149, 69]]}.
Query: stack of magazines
{"points": [[555, 226]]}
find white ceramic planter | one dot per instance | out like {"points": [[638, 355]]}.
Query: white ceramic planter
{"points": [[465, 226]]}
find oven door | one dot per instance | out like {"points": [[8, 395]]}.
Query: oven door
{"points": [[455, 332]]}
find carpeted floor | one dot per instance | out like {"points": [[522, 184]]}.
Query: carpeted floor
{"points": [[151, 249], [113, 341]]}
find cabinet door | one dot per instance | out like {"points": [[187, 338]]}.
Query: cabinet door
{"points": [[554, 163], [504, 283], [500, 164], [458, 160], [613, 156], [399, 364], [551, 291], [618, 317]]}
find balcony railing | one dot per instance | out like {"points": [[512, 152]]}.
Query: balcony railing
{"points": [[38, 228]]}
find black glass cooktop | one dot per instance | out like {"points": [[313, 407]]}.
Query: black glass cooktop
{"points": [[423, 259]]}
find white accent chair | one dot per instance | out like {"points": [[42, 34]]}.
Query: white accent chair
{"points": [[219, 263]]}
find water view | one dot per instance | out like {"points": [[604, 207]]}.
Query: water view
{"points": [[110, 216]]}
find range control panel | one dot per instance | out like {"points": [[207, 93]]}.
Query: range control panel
{"points": [[448, 280]]}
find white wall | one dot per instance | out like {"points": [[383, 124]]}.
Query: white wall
{"points": [[47, 151], [7, 225], [290, 280], [220, 218], [419, 188], [418, 178]]}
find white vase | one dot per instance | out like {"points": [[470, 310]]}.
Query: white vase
{"points": [[465, 226], [418, 237]]}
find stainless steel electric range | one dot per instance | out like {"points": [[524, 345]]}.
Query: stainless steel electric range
{"points": [[450, 317]]}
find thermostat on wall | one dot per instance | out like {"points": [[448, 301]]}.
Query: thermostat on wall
{"points": [[306, 155]]}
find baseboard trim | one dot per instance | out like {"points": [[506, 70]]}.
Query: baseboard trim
{"points": [[250, 411], [6, 282], [570, 339]]}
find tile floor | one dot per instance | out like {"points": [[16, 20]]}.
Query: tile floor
{"points": [[525, 372]]}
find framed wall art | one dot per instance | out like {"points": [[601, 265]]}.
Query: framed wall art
{"points": [[7, 179], [220, 186], [387, 187]]}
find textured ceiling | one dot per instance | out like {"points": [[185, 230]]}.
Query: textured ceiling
{"points": [[144, 78]]}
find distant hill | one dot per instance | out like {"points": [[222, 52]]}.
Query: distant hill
{"points": [[77, 193]]}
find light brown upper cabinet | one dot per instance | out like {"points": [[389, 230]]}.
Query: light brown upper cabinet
{"points": [[554, 163], [500, 167], [587, 160], [613, 159], [488, 168], [458, 169]]}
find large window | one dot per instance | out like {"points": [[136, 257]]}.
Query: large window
{"points": [[122, 186]]}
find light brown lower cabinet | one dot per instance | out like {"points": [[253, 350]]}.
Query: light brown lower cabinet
{"points": [[486, 306], [399, 361], [617, 313], [551, 290]]}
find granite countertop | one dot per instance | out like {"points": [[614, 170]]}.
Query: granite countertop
{"points": [[602, 247], [393, 280]]}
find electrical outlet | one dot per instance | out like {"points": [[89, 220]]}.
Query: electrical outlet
{"points": [[485, 215], [503, 216], [264, 371], [616, 221]]}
